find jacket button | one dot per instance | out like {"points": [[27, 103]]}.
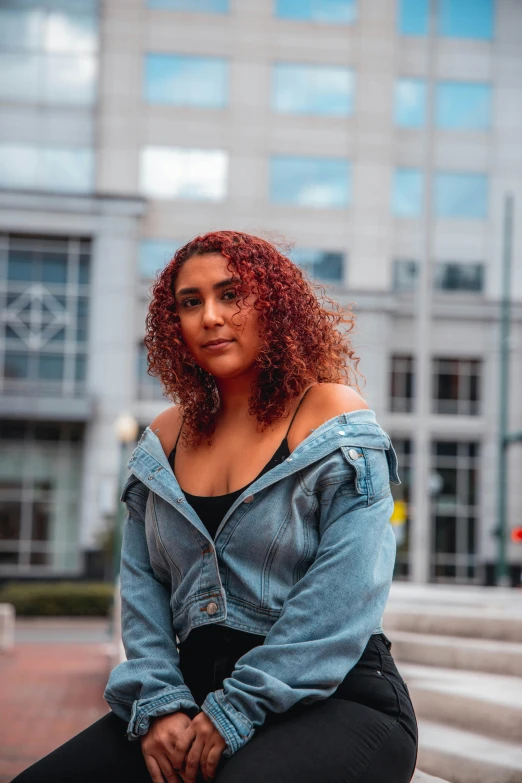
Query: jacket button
{"points": [[354, 454], [212, 607], [248, 499]]}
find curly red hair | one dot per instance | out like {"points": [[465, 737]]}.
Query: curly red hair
{"points": [[300, 339]]}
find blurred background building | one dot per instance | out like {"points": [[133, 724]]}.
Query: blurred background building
{"points": [[378, 136]]}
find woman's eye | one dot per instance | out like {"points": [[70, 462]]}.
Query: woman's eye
{"points": [[186, 302]]}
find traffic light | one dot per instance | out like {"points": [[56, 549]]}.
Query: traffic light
{"points": [[516, 535]]}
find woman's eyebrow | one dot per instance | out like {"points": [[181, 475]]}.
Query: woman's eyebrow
{"points": [[215, 287]]}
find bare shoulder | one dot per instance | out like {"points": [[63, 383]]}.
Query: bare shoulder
{"points": [[166, 426], [327, 400], [323, 402]]}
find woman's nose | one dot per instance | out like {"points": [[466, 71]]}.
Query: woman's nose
{"points": [[212, 313]]}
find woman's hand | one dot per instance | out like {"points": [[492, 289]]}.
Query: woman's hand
{"points": [[165, 747], [206, 750]]}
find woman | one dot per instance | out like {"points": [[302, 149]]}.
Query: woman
{"points": [[257, 554]]}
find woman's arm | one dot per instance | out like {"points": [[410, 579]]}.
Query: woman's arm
{"points": [[149, 683], [330, 613]]}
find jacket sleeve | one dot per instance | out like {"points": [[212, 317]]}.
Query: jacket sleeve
{"points": [[329, 614], [149, 683]]}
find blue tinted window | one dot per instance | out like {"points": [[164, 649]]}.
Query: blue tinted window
{"points": [[194, 6], [154, 255], [455, 18], [407, 193], [328, 11], [465, 18], [460, 195], [413, 17], [312, 89], [310, 182], [463, 105], [186, 81], [410, 103], [321, 264]]}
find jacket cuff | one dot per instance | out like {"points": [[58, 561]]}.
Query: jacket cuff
{"points": [[234, 727], [145, 709]]}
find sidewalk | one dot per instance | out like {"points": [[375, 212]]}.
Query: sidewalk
{"points": [[49, 691]]}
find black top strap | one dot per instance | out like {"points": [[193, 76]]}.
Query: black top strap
{"points": [[295, 412], [179, 433]]}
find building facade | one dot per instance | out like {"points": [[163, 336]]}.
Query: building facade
{"points": [[129, 126]]}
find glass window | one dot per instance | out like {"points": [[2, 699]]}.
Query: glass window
{"points": [[413, 17], [67, 170], [21, 28], [44, 325], [410, 103], [405, 275], [401, 384], [48, 55], [46, 168], [456, 386], [455, 509], [50, 366], [154, 255], [39, 521], [19, 77], [459, 277], [18, 166], [328, 11], [461, 195], [321, 264], [16, 364], [194, 6], [70, 80], [310, 182], [70, 32], [312, 89], [463, 105], [465, 18], [186, 81], [407, 193], [172, 172], [454, 18]]}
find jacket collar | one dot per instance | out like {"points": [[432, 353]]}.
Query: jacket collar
{"points": [[150, 465]]}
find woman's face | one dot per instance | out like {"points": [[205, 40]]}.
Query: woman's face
{"points": [[207, 304]]}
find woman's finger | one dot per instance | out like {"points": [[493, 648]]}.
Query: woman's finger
{"points": [[210, 759], [154, 769], [192, 760], [177, 753], [169, 772]]}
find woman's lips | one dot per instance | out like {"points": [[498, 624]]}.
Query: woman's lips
{"points": [[217, 346]]}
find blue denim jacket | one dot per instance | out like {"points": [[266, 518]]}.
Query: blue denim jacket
{"points": [[304, 557]]}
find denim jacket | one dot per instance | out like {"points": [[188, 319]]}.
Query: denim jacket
{"points": [[303, 557]]}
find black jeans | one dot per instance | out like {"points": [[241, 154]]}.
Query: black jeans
{"points": [[365, 732]]}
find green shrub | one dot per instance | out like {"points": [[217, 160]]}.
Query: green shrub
{"points": [[86, 599]]}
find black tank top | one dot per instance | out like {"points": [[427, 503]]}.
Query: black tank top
{"points": [[212, 509], [209, 652]]}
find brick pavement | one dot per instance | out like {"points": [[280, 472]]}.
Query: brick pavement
{"points": [[48, 693]]}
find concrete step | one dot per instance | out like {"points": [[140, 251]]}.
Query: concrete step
{"points": [[452, 595], [457, 621], [421, 777], [452, 652], [466, 757], [485, 703]]}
